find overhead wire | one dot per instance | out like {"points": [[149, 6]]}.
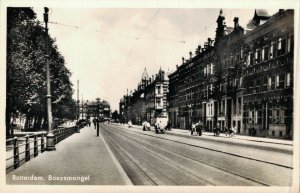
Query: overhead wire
{"points": [[119, 34], [141, 33]]}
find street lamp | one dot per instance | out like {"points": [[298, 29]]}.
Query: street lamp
{"points": [[50, 145]]}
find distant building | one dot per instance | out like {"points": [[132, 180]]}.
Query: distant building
{"points": [[146, 102], [95, 109]]}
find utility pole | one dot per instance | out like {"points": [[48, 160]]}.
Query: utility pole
{"points": [[50, 144], [82, 106], [78, 109]]}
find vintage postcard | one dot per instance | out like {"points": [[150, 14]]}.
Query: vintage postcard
{"points": [[150, 96]]}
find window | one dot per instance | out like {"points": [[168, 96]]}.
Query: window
{"points": [[209, 108], [212, 68], [264, 84], [266, 50], [271, 50], [158, 102], [281, 81], [257, 56], [277, 81], [250, 119], [252, 59], [241, 81], [279, 45], [242, 53], [204, 71], [263, 55], [275, 116], [269, 83], [208, 69], [273, 83], [288, 79], [158, 90], [239, 108], [223, 107], [255, 116], [248, 59], [237, 57], [289, 44]]}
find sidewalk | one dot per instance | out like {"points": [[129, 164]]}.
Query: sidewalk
{"points": [[222, 135], [81, 159], [241, 137]]}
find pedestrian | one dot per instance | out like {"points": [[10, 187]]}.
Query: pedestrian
{"points": [[193, 128], [94, 121], [199, 128], [225, 130], [233, 131]]}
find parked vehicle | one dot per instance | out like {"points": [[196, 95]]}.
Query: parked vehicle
{"points": [[161, 124], [81, 123], [129, 124], [146, 126]]}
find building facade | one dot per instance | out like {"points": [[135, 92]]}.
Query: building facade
{"points": [[148, 101], [242, 78], [94, 109]]}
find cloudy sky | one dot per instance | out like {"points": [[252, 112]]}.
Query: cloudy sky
{"points": [[107, 49]]}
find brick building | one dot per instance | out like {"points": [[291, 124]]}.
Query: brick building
{"points": [[243, 78]]}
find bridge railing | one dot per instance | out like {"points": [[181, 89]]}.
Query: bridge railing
{"points": [[24, 147]]}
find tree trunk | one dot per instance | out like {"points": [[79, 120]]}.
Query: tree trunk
{"points": [[38, 122], [9, 132]]}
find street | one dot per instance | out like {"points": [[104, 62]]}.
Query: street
{"points": [[163, 159], [131, 156]]}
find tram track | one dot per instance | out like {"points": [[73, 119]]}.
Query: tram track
{"points": [[197, 161], [152, 150], [149, 174], [211, 149], [124, 154]]}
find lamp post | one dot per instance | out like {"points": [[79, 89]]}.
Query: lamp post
{"points": [[97, 122], [50, 145]]}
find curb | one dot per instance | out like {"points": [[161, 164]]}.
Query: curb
{"points": [[211, 138], [117, 164]]}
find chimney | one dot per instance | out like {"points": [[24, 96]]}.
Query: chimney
{"points": [[209, 42], [191, 55], [176, 67], [236, 22], [198, 50], [281, 10], [182, 60]]}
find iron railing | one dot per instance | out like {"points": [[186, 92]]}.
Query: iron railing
{"points": [[21, 149]]}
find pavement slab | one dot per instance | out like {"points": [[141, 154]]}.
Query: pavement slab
{"points": [[81, 159]]}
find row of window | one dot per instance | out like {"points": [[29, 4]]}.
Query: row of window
{"points": [[278, 48], [275, 116], [266, 83]]}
